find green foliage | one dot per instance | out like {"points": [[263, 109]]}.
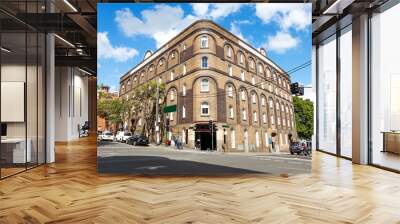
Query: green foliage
{"points": [[304, 111], [111, 109]]}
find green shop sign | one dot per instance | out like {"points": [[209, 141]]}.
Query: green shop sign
{"points": [[170, 108]]}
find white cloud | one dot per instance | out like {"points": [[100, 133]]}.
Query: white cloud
{"points": [[200, 9], [281, 42], [107, 51], [236, 30], [297, 16], [215, 10], [163, 22], [220, 10]]}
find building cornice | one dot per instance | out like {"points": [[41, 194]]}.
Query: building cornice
{"points": [[165, 48]]}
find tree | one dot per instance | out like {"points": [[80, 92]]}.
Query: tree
{"points": [[142, 101], [111, 110], [304, 111]]}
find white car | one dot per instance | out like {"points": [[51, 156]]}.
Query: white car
{"points": [[122, 136], [118, 136], [107, 136]]}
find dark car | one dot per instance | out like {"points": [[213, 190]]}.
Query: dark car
{"points": [[138, 140], [296, 147]]}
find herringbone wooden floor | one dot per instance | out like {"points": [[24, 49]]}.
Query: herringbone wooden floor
{"points": [[71, 191]]}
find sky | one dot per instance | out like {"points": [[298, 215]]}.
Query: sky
{"points": [[127, 30]]}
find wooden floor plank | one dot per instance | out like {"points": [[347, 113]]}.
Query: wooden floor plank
{"points": [[71, 191]]}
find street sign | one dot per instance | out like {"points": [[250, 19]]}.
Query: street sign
{"points": [[170, 108]]}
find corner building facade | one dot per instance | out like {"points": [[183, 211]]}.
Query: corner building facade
{"points": [[210, 74]]}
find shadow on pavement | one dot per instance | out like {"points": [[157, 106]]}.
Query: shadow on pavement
{"points": [[159, 166]]}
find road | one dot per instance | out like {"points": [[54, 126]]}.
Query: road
{"points": [[121, 158]]}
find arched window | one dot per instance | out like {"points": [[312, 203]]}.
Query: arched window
{"points": [[204, 62], [264, 116], [241, 58], [255, 116], [204, 107], [268, 73], [229, 52], [242, 75], [244, 114], [230, 91], [172, 75], [260, 69], [253, 98], [272, 119], [263, 101], [204, 42], [205, 86], [253, 80], [172, 96], [257, 139], [271, 104], [243, 93], [251, 63]]}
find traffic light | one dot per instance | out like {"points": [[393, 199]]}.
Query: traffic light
{"points": [[167, 125], [294, 88], [301, 91]]}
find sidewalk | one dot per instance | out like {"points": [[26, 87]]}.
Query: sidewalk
{"points": [[191, 150]]}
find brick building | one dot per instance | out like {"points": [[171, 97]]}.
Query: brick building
{"points": [[211, 74]]}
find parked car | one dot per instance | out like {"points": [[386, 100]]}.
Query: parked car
{"points": [[138, 140], [107, 136], [295, 147], [122, 136], [300, 148]]}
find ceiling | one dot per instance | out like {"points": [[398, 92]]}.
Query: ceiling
{"points": [[73, 21]]}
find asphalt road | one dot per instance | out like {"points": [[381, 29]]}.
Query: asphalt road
{"points": [[121, 158]]}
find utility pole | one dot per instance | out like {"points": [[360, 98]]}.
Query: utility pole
{"points": [[210, 125], [156, 121]]}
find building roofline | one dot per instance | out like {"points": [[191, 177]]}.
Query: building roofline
{"points": [[159, 50]]}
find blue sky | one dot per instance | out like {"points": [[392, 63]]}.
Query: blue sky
{"points": [[127, 31]]}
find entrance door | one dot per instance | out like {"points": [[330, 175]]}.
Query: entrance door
{"points": [[203, 134]]}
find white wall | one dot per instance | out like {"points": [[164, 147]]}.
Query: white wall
{"points": [[71, 103]]}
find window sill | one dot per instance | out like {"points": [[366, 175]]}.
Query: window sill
{"points": [[204, 115]]}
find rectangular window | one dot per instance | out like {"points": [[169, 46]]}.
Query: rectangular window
{"points": [[257, 139], [327, 95]]}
